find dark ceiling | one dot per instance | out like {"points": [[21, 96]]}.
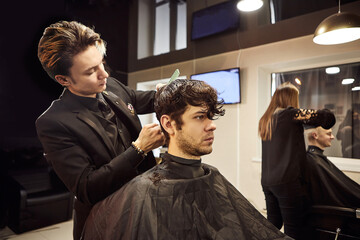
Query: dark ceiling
{"points": [[285, 9]]}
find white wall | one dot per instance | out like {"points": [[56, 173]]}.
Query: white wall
{"points": [[237, 147]]}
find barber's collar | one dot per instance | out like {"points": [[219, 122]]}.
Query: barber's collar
{"points": [[88, 102]]}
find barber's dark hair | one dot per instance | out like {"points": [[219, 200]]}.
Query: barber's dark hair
{"points": [[173, 99], [61, 41]]}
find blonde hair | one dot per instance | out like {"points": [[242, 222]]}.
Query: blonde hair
{"points": [[286, 95]]}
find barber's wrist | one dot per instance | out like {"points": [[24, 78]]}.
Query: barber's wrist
{"points": [[138, 149]]}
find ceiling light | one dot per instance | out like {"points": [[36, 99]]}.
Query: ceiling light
{"points": [[332, 70], [249, 5], [338, 28], [346, 81], [356, 88], [298, 81]]}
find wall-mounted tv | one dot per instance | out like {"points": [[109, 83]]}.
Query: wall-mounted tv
{"points": [[214, 19], [226, 82]]}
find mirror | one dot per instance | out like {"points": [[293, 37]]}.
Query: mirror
{"points": [[336, 88]]}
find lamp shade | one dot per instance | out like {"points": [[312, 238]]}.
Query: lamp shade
{"points": [[338, 28]]}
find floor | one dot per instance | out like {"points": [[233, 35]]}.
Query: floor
{"points": [[60, 231]]}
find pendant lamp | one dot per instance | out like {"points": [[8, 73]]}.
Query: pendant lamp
{"points": [[249, 5], [341, 27]]}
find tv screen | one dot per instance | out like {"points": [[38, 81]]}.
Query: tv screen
{"points": [[214, 19], [226, 82]]}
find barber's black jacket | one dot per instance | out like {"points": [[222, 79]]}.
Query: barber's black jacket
{"points": [[80, 151]]}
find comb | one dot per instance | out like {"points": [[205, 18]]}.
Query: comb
{"points": [[175, 75]]}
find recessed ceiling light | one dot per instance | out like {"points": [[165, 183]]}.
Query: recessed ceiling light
{"points": [[357, 88], [332, 70], [346, 81], [249, 5]]}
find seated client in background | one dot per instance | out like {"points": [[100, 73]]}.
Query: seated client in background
{"points": [[181, 198], [327, 185]]}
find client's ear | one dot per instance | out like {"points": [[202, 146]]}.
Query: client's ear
{"points": [[314, 135], [167, 124]]}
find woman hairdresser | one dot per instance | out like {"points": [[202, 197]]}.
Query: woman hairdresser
{"points": [[283, 153]]}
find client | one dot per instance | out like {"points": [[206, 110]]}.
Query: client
{"points": [[181, 198], [327, 185]]}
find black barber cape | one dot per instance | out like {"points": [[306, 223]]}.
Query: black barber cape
{"points": [[328, 185], [178, 199]]}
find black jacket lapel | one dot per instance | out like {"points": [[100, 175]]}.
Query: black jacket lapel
{"points": [[88, 118], [96, 126], [124, 110]]}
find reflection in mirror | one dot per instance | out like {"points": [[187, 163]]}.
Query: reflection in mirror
{"points": [[336, 88]]}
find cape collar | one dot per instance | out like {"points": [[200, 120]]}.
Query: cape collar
{"points": [[315, 149], [184, 161], [181, 168]]}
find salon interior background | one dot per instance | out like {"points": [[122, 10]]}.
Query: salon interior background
{"points": [[26, 91]]}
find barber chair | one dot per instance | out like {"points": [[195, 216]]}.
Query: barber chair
{"points": [[35, 196], [331, 222]]}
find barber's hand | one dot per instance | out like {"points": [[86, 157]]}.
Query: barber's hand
{"points": [[160, 85], [150, 137]]}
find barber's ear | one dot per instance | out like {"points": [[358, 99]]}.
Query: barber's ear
{"points": [[167, 124], [62, 80]]}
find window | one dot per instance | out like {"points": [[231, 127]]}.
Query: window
{"points": [[335, 88], [161, 27]]}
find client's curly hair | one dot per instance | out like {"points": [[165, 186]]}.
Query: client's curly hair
{"points": [[172, 100]]}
